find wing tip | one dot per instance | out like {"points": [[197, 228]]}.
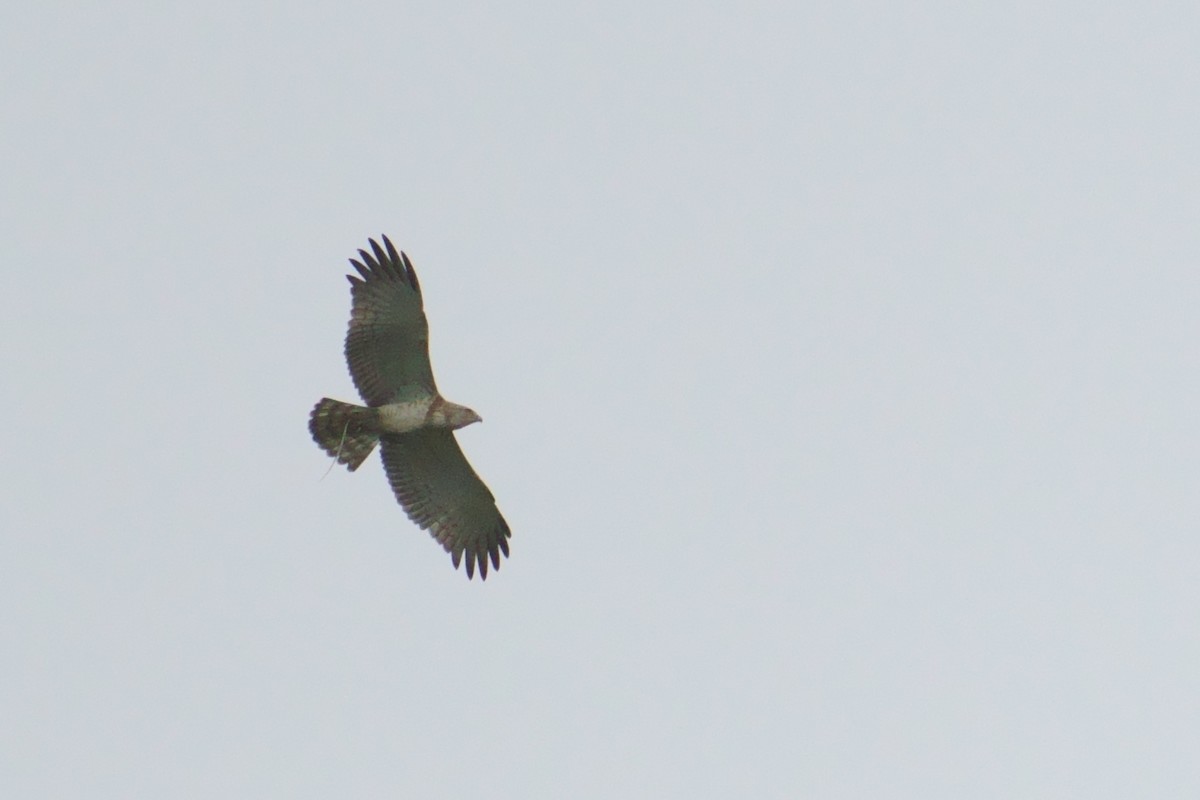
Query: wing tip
{"points": [[478, 559], [492, 552], [384, 261]]}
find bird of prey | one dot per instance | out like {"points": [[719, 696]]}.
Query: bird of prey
{"points": [[387, 350]]}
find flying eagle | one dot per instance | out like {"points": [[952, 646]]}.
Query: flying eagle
{"points": [[387, 349]]}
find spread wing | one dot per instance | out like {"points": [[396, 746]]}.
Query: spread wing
{"points": [[387, 346], [441, 493]]}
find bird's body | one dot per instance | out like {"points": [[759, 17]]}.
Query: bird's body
{"points": [[387, 350], [405, 416]]}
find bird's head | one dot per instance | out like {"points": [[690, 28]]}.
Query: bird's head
{"points": [[457, 416]]}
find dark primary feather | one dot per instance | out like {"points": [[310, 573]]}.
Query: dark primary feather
{"points": [[387, 344], [441, 493]]}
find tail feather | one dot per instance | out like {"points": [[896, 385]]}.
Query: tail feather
{"points": [[345, 431]]}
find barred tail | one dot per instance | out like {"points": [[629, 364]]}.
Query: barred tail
{"points": [[345, 431]]}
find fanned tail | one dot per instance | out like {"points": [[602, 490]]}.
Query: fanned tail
{"points": [[345, 431]]}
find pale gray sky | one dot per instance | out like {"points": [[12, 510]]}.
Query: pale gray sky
{"points": [[839, 365]]}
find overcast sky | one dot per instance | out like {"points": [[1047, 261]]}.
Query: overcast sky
{"points": [[839, 368]]}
